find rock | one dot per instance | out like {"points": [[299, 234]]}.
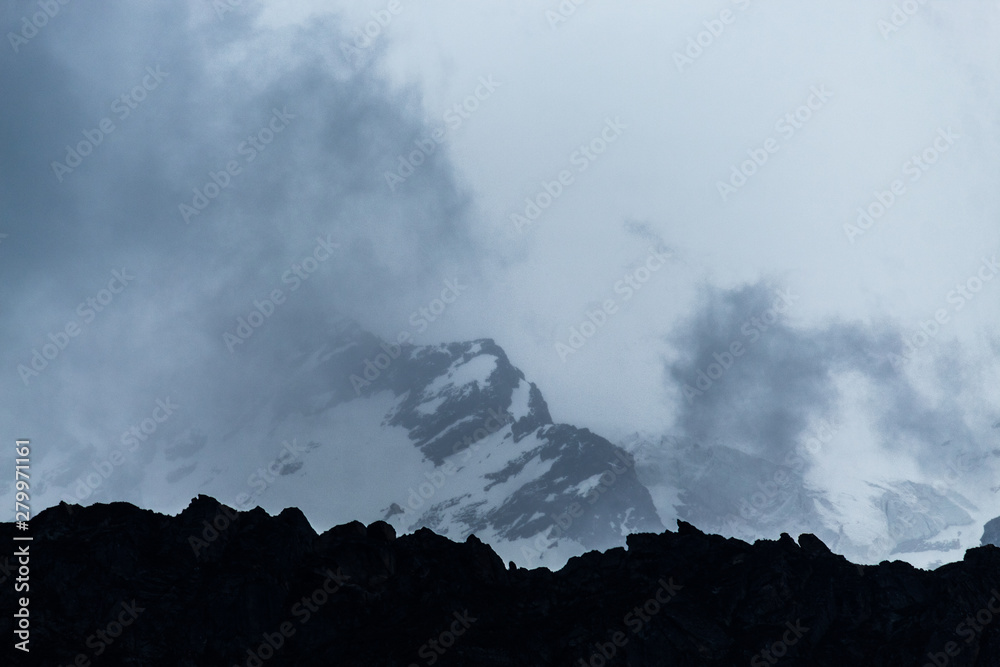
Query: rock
{"points": [[119, 585]]}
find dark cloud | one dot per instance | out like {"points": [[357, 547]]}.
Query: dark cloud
{"points": [[207, 86], [783, 378]]}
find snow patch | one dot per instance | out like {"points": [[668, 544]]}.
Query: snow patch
{"points": [[520, 400], [587, 485], [431, 406], [478, 369]]}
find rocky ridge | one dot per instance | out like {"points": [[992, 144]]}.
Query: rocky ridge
{"points": [[118, 585]]}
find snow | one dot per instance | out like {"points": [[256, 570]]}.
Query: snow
{"points": [[588, 484], [520, 400], [431, 406], [478, 369], [352, 476], [361, 466]]}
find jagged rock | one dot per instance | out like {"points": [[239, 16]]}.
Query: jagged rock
{"points": [[212, 586]]}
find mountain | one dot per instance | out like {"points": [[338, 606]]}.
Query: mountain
{"points": [[117, 585], [450, 437], [740, 494], [454, 437]]}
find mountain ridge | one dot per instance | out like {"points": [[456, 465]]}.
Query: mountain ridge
{"points": [[213, 586], [454, 437]]}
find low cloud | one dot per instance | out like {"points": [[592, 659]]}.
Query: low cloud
{"points": [[209, 159], [749, 376]]}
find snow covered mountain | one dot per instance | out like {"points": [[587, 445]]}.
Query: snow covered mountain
{"points": [[454, 438], [722, 489], [450, 437]]}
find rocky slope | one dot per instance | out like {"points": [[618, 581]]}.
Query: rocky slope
{"points": [[117, 585]]}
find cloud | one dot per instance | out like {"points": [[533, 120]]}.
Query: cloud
{"points": [[215, 160], [752, 377]]}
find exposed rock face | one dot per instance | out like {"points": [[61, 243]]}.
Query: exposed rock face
{"points": [[116, 585], [456, 439], [513, 476]]}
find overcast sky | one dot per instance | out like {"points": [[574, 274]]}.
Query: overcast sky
{"points": [[828, 168]]}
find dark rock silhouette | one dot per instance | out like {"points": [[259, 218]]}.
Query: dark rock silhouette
{"points": [[117, 585]]}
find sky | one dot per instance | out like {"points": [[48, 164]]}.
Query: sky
{"points": [[623, 193]]}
